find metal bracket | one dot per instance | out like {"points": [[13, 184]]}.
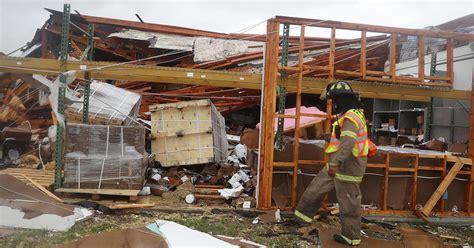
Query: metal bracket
{"points": [[87, 88]]}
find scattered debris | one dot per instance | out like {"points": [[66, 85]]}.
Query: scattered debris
{"points": [[24, 206]]}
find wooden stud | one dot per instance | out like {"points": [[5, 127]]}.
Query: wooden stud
{"points": [[414, 183], [443, 175], [450, 60], [392, 56], [299, 87], [327, 122], [385, 182], [332, 53], [363, 54], [271, 76], [421, 58], [439, 192], [469, 189]]}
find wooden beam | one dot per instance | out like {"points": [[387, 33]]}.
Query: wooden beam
{"points": [[439, 192], [421, 58], [363, 54], [159, 74], [296, 136], [450, 60], [392, 56], [373, 28], [332, 54]]}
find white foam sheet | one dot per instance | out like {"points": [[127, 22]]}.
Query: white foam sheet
{"points": [[10, 217], [179, 236]]}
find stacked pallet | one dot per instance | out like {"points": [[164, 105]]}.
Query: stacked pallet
{"points": [[104, 157]]}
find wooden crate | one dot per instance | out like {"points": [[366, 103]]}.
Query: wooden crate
{"points": [[187, 133]]}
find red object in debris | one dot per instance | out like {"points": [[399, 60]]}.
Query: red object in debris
{"points": [[372, 149]]}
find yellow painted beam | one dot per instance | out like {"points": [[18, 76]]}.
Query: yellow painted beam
{"points": [[160, 74]]}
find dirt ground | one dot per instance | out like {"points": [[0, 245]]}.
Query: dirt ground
{"points": [[227, 223]]}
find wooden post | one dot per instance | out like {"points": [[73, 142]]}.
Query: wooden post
{"points": [[468, 201], [269, 106], [332, 54], [443, 175], [450, 61], [421, 59], [414, 183], [392, 56], [297, 118], [439, 192], [363, 54], [385, 181], [327, 123]]}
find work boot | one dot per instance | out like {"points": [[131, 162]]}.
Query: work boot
{"points": [[346, 241], [301, 219]]}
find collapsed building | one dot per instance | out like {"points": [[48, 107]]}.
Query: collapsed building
{"points": [[170, 109]]}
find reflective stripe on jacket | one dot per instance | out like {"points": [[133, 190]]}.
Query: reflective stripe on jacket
{"points": [[361, 147]]}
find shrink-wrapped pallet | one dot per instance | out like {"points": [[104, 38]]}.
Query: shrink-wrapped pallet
{"points": [[104, 157]]}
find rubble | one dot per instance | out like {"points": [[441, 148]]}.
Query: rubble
{"points": [[23, 206]]}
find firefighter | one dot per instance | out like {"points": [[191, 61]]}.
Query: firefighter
{"points": [[347, 149]]}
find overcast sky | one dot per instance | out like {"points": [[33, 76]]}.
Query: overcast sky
{"points": [[19, 19]]}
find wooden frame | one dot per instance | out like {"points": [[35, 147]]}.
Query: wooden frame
{"points": [[269, 106], [380, 76]]}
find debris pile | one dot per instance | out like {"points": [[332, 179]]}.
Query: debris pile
{"points": [[230, 179]]}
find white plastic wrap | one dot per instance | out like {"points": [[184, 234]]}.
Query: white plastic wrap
{"points": [[107, 105]]}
